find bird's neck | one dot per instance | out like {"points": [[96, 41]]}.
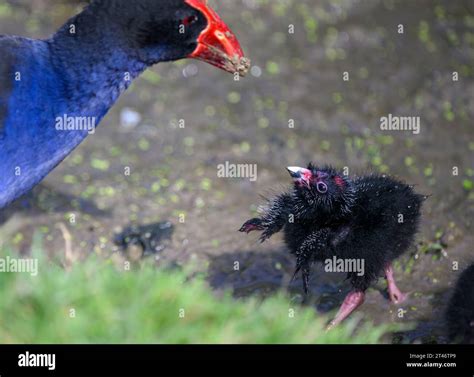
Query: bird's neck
{"points": [[94, 64], [321, 209], [77, 74]]}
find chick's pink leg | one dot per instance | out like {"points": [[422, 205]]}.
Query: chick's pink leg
{"points": [[396, 296], [352, 301]]}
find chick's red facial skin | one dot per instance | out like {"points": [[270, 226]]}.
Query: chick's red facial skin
{"points": [[217, 45], [339, 181]]}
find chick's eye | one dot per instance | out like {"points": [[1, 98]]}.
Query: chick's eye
{"points": [[322, 187], [189, 20]]}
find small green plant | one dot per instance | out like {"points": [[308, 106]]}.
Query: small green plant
{"points": [[94, 302]]}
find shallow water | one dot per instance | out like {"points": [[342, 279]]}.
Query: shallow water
{"points": [[295, 77]]}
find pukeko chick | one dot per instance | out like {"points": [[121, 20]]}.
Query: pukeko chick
{"points": [[371, 218], [52, 90], [460, 312]]}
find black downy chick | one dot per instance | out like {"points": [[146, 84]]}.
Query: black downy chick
{"points": [[372, 218], [460, 313]]}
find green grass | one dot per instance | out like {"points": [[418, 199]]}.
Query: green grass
{"points": [[143, 306]]}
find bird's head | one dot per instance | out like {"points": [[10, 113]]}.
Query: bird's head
{"points": [[322, 189], [168, 30]]}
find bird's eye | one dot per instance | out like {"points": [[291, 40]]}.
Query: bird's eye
{"points": [[322, 187], [189, 20]]}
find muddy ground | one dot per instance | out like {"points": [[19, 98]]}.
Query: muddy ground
{"points": [[295, 77]]}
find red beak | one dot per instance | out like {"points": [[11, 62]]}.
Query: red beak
{"points": [[217, 45]]}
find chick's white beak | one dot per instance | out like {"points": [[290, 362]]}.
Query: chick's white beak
{"points": [[300, 176], [294, 171]]}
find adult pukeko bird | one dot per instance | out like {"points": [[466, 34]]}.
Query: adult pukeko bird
{"points": [[460, 312], [51, 91], [370, 220]]}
